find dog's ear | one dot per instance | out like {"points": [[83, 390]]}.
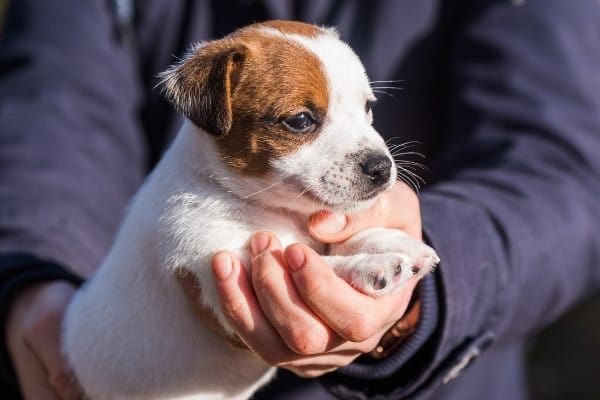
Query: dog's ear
{"points": [[201, 85]]}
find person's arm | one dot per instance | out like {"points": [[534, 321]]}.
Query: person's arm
{"points": [[71, 154], [514, 219], [71, 149], [515, 214]]}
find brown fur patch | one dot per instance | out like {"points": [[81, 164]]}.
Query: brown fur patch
{"points": [[279, 79], [242, 87], [295, 28]]}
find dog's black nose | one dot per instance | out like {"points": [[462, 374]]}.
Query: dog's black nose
{"points": [[378, 168]]}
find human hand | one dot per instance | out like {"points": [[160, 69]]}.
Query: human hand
{"points": [[33, 338], [396, 208], [294, 312]]}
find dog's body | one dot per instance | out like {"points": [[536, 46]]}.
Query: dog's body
{"points": [[278, 130]]}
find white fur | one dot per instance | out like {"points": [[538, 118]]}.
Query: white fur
{"points": [[130, 333]]}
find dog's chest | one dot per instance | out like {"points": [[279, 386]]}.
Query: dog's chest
{"points": [[288, 227]]}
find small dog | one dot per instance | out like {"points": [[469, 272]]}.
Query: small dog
{"points": [[278, 126]]}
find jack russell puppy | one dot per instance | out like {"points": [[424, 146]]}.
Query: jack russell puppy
{"points": [[278, 126]]}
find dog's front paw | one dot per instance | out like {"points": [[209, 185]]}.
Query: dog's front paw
{"points": [[375, 274], [380, 261], [424, 256], [379, 274], [382, 240]]}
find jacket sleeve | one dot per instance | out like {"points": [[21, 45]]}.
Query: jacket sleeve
{"points": [[515, 216], [72, 149]]}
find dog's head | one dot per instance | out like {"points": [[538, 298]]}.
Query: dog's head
{"points": [[286, 106]]}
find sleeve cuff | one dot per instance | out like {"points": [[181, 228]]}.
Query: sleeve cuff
{"points": [[455, 323], [387, 375]]}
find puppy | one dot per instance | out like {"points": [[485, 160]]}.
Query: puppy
{"points": [[278, 126]]}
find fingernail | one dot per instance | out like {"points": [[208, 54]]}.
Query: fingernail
{"points": [[223, 267], [331, 224], [259, 243], [295, 258]]}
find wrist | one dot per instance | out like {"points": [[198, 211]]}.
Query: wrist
{"points": [[399, 332]]}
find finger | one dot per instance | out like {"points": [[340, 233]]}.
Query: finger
{"points": [[339, 356], [32, 377], [301, 330], [67, 387], [191, 287], [58, 374], [35, 341], [327, 360], [351, 314], [395, 208], [242, 310], [311, 371], [42, 335]]}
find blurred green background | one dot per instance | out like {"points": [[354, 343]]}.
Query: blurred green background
{"points": [[564, 359]]}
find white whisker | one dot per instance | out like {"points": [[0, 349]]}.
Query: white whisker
{"points": [[293, 202], [394, 81], [382, 92], [263, 190], [411, 164], [411, 178], [411, 143], [386, 87], [407, 153]]}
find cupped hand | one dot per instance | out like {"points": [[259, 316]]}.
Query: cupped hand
{"points": [[292, 310], [33, 338], [396, 208]]}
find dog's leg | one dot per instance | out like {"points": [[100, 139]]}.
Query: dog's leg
{"points": [[378, 261]]}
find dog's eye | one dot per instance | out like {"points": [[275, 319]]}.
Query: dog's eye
{"points": [[368, 106], [300, 123]]}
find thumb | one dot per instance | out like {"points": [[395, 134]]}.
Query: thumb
{"points": [[332, 227], [396, 208]]}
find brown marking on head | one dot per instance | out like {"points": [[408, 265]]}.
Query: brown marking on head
{"points": [[296, 28], [243, 88]]}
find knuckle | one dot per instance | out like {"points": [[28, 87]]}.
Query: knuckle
{"points": [[356, 335], [229, 310], [315, 291], [306, 341], [234, 312], [265, 282], [360, 330]]}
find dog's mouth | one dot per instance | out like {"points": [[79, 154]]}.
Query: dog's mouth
{"points": [[308, 193], [350, 202]]}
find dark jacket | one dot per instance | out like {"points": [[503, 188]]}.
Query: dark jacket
{"points": [[504, 95]]}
